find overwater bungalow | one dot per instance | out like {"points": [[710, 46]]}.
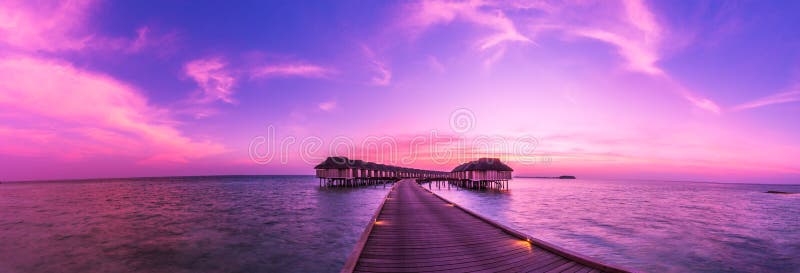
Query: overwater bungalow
{"points": [[341, 171], [479, 174], [483, 173]]}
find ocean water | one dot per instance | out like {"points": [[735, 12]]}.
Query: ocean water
{"points": [[652, 226], [196, 224], [289, 224]]}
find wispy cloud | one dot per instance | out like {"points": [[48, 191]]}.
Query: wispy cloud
{"points": [[291, 70], [96, 106], [783, 97], [636, 34], [215, 79], [147, 38], [640, 56], [633, 30], [494, 57], [33, 25], [92, 114], [327, 105], [436, 65], [430, 13], [703, 103], [630, 26], [427, 14], [639, 39], [382, 75]]}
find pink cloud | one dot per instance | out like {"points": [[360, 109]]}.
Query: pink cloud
{"points": [[430, 13], [489, 15], [695, 147], [696, 100], [291, 70], [704, 103], [142, 40], [27, 142], [494, 57], [327, 105], [783, 97], [147, 38], [382, 74], [30, 26], [638, 39], [632, 29], [83, 107], [640, 56], [44, 25], [215, 80], [436, 65]]}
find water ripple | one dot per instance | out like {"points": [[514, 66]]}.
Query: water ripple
{"points": [[201, 224], [654, 226]]}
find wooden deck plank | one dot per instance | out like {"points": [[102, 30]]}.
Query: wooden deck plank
{"points": [[563, 267], [521, 265], [417, 231], [577, 270], [463, 261]]}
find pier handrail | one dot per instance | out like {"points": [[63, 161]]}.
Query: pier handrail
{"points": [[537, 242], [352, 260]]}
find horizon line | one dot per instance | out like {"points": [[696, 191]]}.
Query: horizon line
{"points": [[255, 175]]}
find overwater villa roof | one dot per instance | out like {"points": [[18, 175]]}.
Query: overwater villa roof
{"points": [[335, 162], [484, 164], [341, 162], [461, 167]]}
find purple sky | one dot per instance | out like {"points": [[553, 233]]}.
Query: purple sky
{"points": [[689, 90]]}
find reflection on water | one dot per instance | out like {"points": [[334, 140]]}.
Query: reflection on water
{"points": [[197, 224], [653, 226]]}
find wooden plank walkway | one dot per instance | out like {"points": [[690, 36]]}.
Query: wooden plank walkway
{"points": [[415, 230]]}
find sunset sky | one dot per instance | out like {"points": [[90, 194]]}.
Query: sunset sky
{"points": [[669, 90]]}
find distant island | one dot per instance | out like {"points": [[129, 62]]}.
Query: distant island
{"points": [[549, 177], [780, 192]]}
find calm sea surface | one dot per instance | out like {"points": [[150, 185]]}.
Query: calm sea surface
{"points": [[654, 226], [288, 224], [198, 224]]}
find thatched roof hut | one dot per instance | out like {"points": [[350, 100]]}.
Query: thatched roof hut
{"points": [[483, 169], [490, 164], [489, 169], [335, 162], [484, 164]]}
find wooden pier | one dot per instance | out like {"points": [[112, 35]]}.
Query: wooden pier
{"points": [[415, 230]]}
